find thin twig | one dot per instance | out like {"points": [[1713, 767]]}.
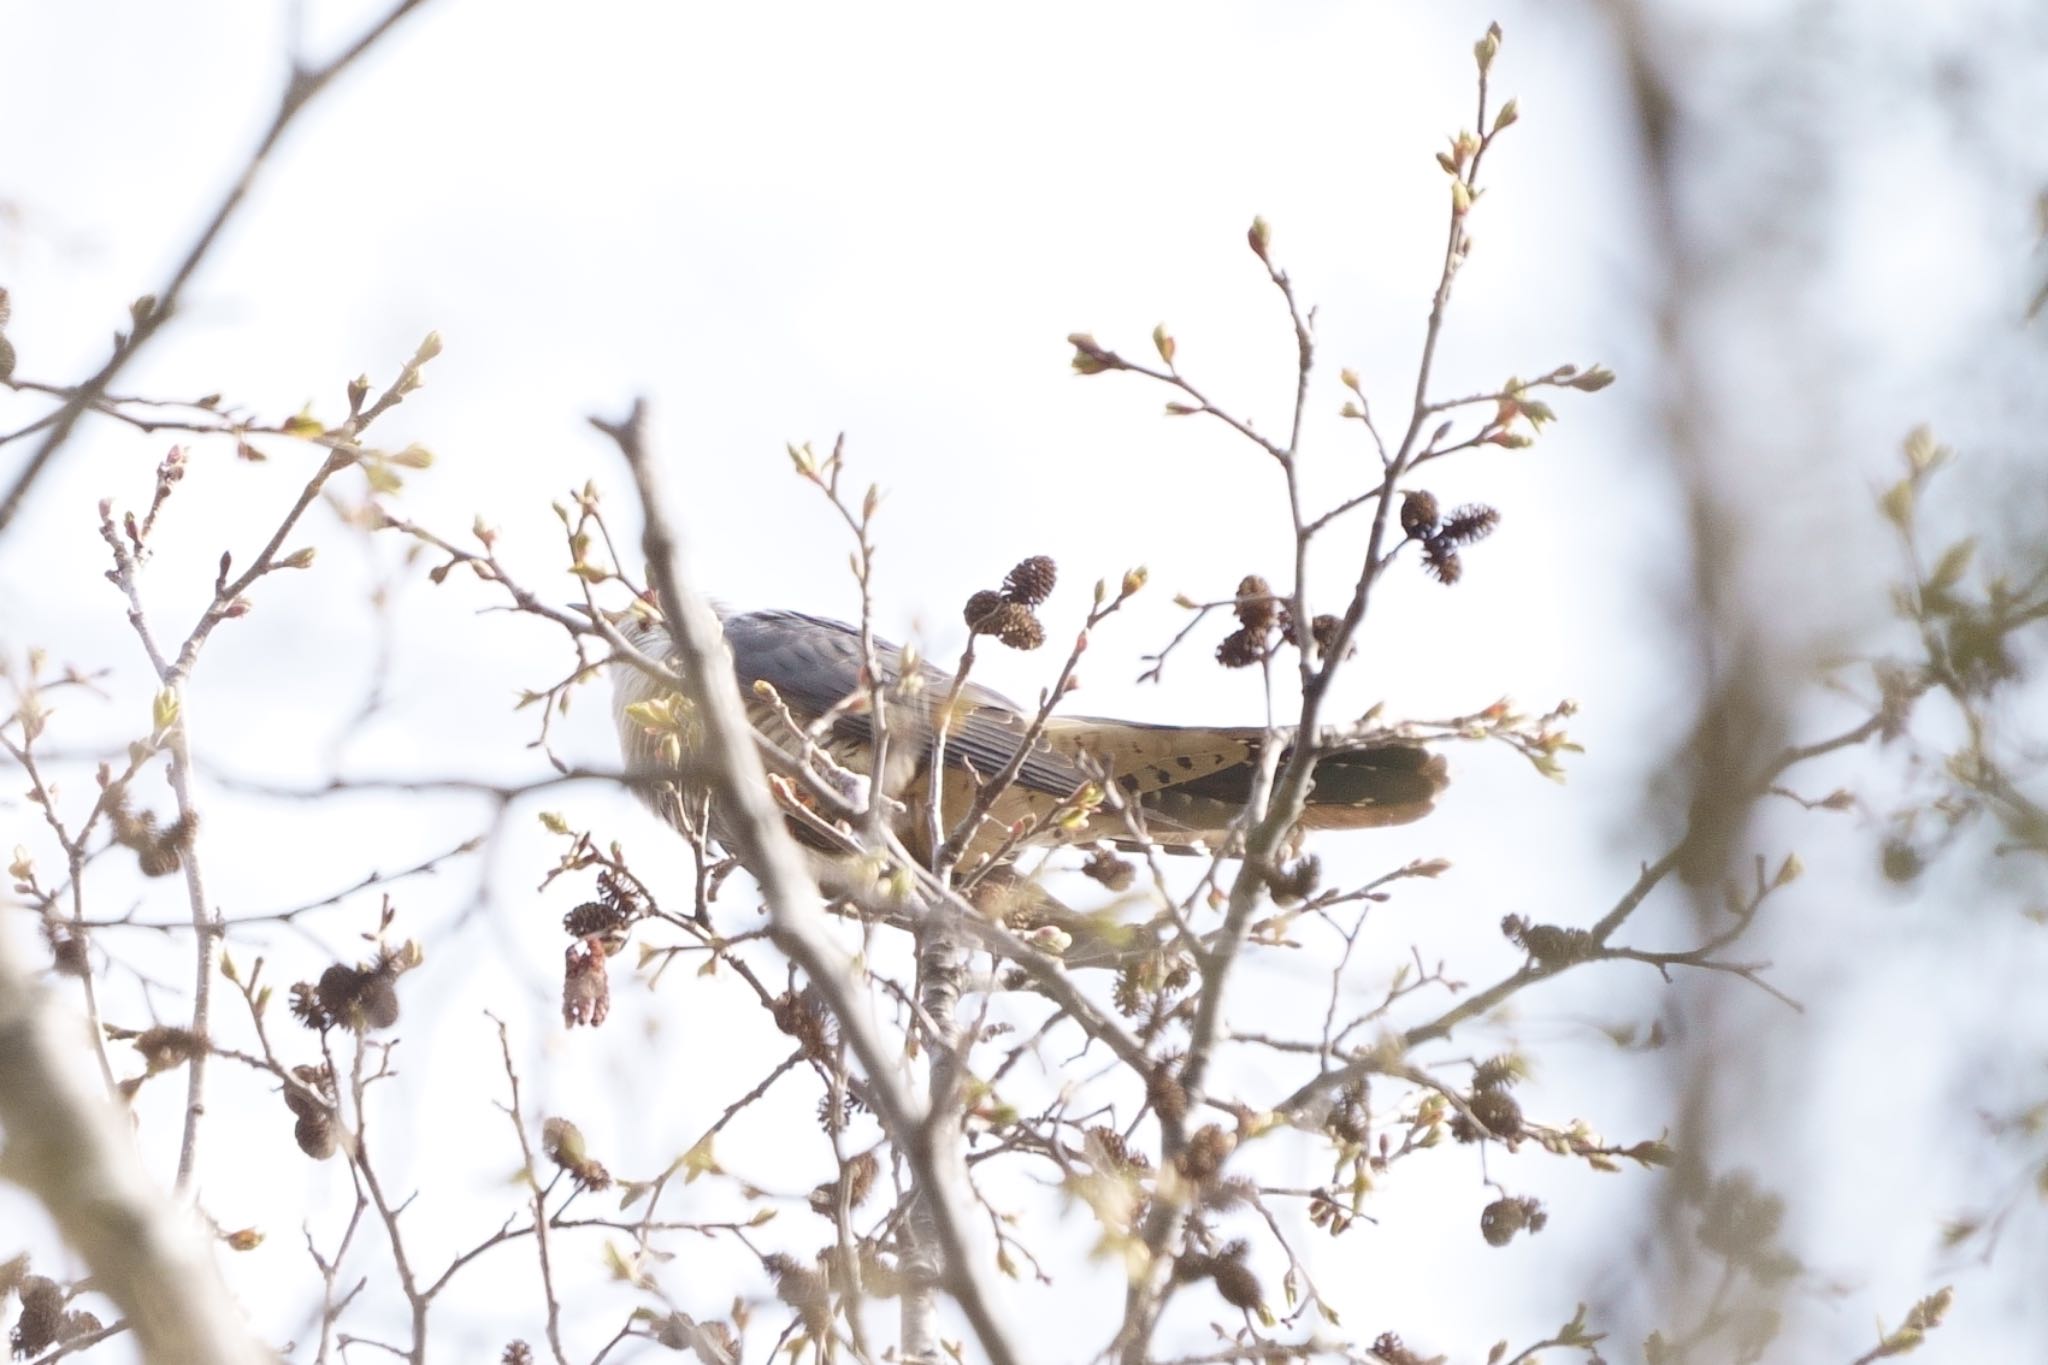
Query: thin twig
{"points": [[537, 1198], [300, 89]]}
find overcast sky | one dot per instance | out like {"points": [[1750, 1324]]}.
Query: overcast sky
{"points": [[779, 223]]}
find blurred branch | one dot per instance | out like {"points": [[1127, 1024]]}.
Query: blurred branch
{"points": [[1593, 946], [70, 1146], [81, 1343]]}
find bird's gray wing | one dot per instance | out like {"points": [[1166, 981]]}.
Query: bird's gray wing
{"points": [[814, 664]]}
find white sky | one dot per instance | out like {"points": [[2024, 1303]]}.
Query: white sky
{"points": [[783, 222]]}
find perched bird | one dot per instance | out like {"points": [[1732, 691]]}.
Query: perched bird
{"points": [[1186, 783]]}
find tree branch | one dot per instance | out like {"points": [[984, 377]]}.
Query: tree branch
{"points": [[70, 1146], [733, 771], [151, 312]]}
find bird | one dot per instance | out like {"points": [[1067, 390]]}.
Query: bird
{"points": [[1186, 786]]}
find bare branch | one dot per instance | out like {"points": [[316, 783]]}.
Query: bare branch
{"points": [[151, 312], [740, 786]]}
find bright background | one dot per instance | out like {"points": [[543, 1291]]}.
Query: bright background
{"points": [[779, 223]]}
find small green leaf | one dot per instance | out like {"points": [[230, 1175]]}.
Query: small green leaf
{"points": [[1953, 564], [1897, 503], [1788, 871], [700, 1160], [1923, 452], [163, 711]]}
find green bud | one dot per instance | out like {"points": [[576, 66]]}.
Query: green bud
{"points": [[1163, 341], [1487, 48]]}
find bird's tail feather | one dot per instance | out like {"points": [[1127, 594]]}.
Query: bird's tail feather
{"points": [[1192, 782]]}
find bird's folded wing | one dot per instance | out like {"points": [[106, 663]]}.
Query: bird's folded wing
{"points": [[814, 665], [1191, 782]]}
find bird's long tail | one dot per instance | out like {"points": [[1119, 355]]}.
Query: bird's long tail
{"points": [[1192, 782]]}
